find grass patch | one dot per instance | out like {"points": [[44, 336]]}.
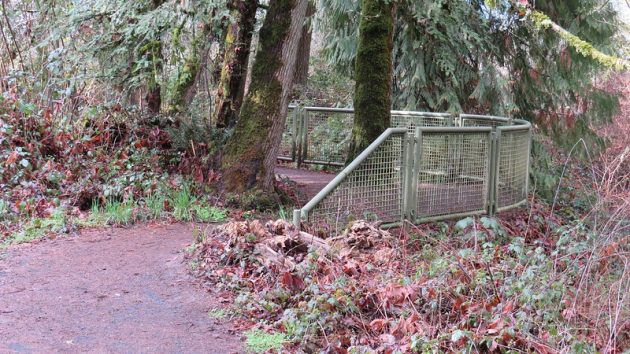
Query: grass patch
{"points": [[119, 213], [259, 341], [38, 228], [155, 205], [217, 314], [210, 214], [183, 202]]}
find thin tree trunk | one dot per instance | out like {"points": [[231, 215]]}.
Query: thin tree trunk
{"points": [[373, 74], [189, 75], [153, 51], [191, 91], [12, 33], [238, 41], [304, 51], [154, 91], [250, 154]]}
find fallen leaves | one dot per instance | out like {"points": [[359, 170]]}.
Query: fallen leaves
{"points": [[362, 291]]}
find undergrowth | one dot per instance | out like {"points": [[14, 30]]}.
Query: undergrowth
{"points": [[105, 167], [530, 281]]}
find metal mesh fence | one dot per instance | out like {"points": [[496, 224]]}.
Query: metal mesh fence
{"points": [[513, 166], [411, 120], [453, 171], [372, 190], [451, 166], [327, 136], [473, 120]]}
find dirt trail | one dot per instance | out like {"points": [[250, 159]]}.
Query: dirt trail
{"points": [[108, 291]]}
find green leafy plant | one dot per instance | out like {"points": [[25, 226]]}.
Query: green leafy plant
{"points": [[210, 214], [259, 341], [216, 313], [38, 228]]}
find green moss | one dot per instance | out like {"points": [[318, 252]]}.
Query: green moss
{"points": [[231, 86], [373, 74], [185, 79], [542, 21]]}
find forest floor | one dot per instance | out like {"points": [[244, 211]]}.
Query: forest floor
{"points": [[109, 290]]}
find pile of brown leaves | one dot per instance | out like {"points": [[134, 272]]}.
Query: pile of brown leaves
{"points": [[370, 290]]}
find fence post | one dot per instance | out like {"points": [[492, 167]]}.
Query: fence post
{"points": [[297, 217], [529, 158], [304, 135], [294, 130], [410, 185], [494, 172], [406, 170], [299, 117]]}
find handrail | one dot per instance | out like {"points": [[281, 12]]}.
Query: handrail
{"points": [[455, 129], [303, 212], [497, 128]]}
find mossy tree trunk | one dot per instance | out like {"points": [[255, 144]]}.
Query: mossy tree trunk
{"points": [[373, 74], [153, 96], [304, 51], [185, 81], [238, 41], [189, 74], [250, 154]]}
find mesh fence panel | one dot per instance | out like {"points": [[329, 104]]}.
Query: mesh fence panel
{"points": [[453, 171], [461, 165], [513, 162], [287, 148], [327, 136], [419, 119], [469, 120], [372, 191]]}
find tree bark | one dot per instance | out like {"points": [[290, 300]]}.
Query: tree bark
{"points": [[152, 50], [304, 51], [189, 75], [154, 91], [238, 41], [250, 154], [373, 75]]}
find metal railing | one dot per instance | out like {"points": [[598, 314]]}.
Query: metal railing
{"points": [[317, 135], [428, 166]]}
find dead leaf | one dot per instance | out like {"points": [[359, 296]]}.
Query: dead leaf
{"points": [[292, 282], [379, 325]]}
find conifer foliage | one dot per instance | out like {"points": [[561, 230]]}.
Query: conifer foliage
{"points": [[490, 57]]}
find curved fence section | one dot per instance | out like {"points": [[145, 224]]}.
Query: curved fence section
{"points": [[428, 166], [513, 152]]}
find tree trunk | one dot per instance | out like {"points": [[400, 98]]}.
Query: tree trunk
{"points": [[185, 80], [250, 154], [154, 91], [194, 66], [238, 41], [373, 75], [152, 50], [304, 51]]}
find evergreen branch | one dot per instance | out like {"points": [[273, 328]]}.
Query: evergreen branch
{"points": [[542, 21]]}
